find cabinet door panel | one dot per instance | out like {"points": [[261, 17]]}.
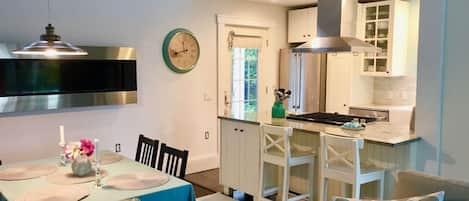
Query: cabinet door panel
{"points": [[302, 25], [338, 83], [230, 155], [250, 156]]}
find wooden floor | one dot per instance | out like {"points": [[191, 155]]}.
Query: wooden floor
{"points": [[205, 183]]}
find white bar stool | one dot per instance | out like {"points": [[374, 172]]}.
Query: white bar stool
{"points": [[340, 161], [276, 150]]}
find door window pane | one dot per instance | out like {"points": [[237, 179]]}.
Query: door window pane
{"points": [[245, 63]]}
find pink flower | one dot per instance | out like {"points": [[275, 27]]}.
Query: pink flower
{"points": [[87, 147]]}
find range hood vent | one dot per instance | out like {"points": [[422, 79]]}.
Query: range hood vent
{"points": [[336, 30]]}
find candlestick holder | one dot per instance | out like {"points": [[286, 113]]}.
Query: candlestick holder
{"points": [[62, 158], [98, 179]]}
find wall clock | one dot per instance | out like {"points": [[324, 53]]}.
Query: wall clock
{"points": [[181, 50]]}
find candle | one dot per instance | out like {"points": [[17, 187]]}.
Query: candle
{"points": [[96, 150], [62, 136]]}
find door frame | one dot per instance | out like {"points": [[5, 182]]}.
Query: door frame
{"points": [[223, 22]]}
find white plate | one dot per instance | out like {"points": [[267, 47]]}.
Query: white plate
{"points": [[353, 129]]}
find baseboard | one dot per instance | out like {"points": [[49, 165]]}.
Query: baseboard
{"points": [[202, 163]]}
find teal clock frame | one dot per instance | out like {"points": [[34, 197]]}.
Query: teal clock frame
{"points": [[166, 56]]}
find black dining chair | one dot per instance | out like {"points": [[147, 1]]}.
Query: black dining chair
{"points": [[172, 161], [147, 151]]}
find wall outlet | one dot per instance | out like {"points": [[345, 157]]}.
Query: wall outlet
{"points": [[207, 135], [118, 148]]}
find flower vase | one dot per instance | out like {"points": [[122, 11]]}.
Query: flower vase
{"points": [[278, 110], [81, 166]]}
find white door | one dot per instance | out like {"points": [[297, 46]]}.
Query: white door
{"points": [[240, 71]]}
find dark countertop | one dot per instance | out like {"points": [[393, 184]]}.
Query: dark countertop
{"points": [[376, 132]]}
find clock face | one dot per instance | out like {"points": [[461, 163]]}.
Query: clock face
{"points": [[181, 50]]}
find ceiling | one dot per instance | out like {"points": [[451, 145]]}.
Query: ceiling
{"points": [[288, 2]]}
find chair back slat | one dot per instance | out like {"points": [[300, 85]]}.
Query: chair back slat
{"points": [[172, 156], [340, 154], [147, 151], [276, 139]]}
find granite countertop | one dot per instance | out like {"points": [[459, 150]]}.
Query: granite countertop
{"points": [[376, 132]]}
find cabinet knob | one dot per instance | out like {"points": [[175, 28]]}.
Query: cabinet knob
{"points": [[235, 129], [304, 36], [309, 35], [241, 130], [387, 72], [345, 105]]}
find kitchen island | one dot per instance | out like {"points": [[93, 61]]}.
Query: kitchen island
{"points": [[386, 146]]}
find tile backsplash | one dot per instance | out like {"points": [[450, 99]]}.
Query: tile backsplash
{"points": [[395, 91]]}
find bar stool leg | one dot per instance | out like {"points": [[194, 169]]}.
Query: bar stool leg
{"points": [[311, 180], [356, 190], [381, 187], [323, 189], [286, 183], [261, 182]]}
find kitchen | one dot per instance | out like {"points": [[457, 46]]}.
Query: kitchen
{"points": [[236, 88], [379, 85]]}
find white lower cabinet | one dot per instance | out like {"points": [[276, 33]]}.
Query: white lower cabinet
{"points": [[240, 155]]}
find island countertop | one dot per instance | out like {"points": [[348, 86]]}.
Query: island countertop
{"points": [[376, 132]]}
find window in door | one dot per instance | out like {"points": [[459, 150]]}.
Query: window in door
{"points": [[245, 63]]}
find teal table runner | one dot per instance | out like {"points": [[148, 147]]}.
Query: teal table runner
{"points": [[175, 190]]}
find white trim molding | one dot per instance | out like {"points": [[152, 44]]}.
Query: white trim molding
{"points": [[238, 21]]}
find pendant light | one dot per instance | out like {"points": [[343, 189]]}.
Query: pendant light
{"points": [[50, 44]]}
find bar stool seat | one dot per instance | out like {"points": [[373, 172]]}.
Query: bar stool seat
{"points": [[277, 150], [340, 161]]}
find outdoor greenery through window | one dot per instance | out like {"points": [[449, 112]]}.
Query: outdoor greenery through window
{"points": [[244, 80]]}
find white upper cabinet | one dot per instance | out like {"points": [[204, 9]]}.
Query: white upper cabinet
{"points": [[345, 85], [302, 24], [385, 25]]}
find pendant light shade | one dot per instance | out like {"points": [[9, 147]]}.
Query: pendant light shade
{"points": [[50, 45]]}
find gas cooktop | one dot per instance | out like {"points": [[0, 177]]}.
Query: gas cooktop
{"points": [[328, 118]]}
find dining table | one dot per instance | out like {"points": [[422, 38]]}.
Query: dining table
{"points": [[174, 189]]}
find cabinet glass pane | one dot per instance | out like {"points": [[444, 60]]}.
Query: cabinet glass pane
{"points": [[371, 13], [383, 12], [372, 42], [369, 65], [383, 29], [383, 44], [370, 30], [381, 65]]}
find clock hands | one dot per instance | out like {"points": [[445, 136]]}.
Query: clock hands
{"points": [[184, 50]]}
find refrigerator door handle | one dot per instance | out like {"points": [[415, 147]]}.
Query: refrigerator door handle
{"points": [[300, 82]]}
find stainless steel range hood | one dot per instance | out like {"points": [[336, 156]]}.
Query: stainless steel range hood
{"points": [[336, 30]]}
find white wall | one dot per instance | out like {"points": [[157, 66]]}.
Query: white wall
{"points": [[429, 84], [171, 106], [455, 133]]}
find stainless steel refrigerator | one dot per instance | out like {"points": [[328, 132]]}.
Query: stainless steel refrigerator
{"points": [[305, 75]]}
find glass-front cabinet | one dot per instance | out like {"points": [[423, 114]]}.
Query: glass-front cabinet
{"points": [[384, 24]]}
